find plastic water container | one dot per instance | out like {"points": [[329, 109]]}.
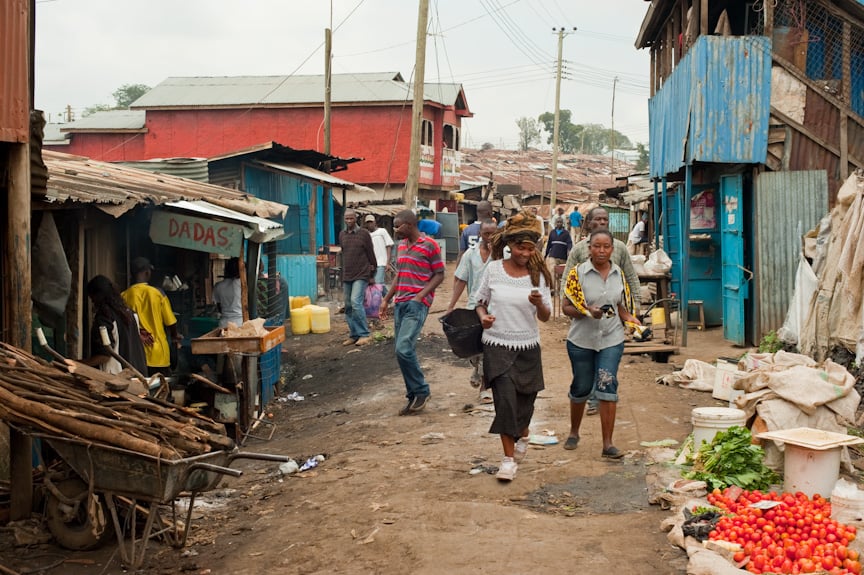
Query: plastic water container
{"points": [[301, 321], [707, 421], [299, 301], [658, 316], [319, 318]]}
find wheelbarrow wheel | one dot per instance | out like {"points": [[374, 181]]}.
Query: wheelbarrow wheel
{"points": [[75, 529]]}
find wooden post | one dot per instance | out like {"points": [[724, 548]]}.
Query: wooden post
{"points": [[18, 316], [412, 185], [703, 18], [697, 19], [653, 70], [768, 24], [244, 284]]}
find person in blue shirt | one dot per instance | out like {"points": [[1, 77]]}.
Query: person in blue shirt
{"points": [[575, 225], [431, 228]]}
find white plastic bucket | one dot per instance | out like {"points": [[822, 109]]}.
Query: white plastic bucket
{"points": [[811, 471], [707, 421], [725, 377], [847, 505]]}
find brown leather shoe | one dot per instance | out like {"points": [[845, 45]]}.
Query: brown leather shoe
{"points": [[363, 341], [349, 341]]}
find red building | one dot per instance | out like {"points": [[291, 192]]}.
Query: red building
{"points": [[209, 116]]}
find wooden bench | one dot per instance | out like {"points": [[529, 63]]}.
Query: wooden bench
{"points": [[659, 352]]}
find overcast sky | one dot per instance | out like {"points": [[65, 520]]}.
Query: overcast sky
{"points": [[503, 52]]}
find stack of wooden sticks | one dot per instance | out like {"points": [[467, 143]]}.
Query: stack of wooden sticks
{"points": [[71, 400]]}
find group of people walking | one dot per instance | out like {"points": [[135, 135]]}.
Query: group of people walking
{"points": [[509, 286]]}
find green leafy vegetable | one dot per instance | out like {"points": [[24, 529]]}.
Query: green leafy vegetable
{"points": [[731, 459]]}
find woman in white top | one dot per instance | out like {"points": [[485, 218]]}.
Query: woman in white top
{"points": [[512, 296]]}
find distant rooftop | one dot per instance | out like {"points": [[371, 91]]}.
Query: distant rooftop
{"points": [[112, 120], [234, 91]]}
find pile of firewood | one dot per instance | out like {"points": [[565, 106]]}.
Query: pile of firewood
{"points": [[71, 400]]}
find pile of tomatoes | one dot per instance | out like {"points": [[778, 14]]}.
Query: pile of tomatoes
{"points": [[797, 535]]}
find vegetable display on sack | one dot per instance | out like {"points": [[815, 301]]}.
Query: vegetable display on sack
{"points": [[731, 459], [785, 533]]}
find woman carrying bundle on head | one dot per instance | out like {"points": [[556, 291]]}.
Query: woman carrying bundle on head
{"points": [[512, 296]]}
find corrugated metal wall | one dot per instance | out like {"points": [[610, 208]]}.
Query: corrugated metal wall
{"points": [[714, 107], [788, 204], [14, 71], [731, 101]]}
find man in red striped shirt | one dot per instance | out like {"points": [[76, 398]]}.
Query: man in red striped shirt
{"points": [[420, 270]]}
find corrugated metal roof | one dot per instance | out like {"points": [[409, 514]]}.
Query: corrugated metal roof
{"points": [[14, 86], [117, 189], [53, 136], [228, 91], [257, 229], [189, 168], [109, 120], [313, 174]]}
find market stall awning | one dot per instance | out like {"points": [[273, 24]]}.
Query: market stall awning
{"points": [[116, 189], [202, 226]]}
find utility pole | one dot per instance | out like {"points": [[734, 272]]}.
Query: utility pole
{"points": [[409, 193], [556, 129], [612, 131], [68, 113], [328, 51]]}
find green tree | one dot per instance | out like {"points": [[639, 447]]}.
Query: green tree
{"points": [[128, 93], [642, 164], [582, 138], [90, 110], [529, 132], [487, 146]]}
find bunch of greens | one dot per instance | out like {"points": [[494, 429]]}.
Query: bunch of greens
{"points": [[731, 459]]}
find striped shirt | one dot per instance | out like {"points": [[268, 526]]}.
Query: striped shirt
{"points": [[416, 264]]}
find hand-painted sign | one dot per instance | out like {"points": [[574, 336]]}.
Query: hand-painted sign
{"points": [[182, 231]]}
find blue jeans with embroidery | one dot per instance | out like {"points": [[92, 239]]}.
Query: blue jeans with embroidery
{"points": [[408, 319], [594, 371], [355, 315]]}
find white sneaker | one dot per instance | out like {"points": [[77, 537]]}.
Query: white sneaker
{"points": [[507, 471], [520, 450]]}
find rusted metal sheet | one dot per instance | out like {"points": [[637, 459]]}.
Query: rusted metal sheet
{"points": [[14, 69], [822, 118], [808, 155], [788, 205], [714, 107], [116, 189]]}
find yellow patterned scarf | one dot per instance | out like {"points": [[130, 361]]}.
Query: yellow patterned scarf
{"points": [[573, 292]]}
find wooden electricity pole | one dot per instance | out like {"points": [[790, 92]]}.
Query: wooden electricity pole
{"points": [[612, 130], [409, 194], [557, 125]]}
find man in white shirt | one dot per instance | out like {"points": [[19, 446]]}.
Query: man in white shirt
{"points": [[638, 236], [227, 295], [382, 243]]}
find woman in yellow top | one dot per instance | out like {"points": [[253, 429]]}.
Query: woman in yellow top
{"points": [[154, 316]]}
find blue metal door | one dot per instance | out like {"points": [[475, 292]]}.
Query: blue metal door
{"points": [[734, 276]]}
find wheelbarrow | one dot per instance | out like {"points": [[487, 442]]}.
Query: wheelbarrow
{"points": [[140, 482]]}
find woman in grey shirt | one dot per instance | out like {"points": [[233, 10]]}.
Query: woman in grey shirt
{"points": [[595, 301]]}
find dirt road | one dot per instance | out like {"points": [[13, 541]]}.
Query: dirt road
{"points": [[391, 498]]}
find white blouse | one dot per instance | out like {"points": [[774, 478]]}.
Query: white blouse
{"points": [[515, 324]]}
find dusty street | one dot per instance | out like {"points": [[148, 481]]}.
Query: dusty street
{"points": [[390, 498]]}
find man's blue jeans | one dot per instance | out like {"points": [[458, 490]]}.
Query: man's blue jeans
{"points": [[355, 315], [380, 274], [408, 317]]}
